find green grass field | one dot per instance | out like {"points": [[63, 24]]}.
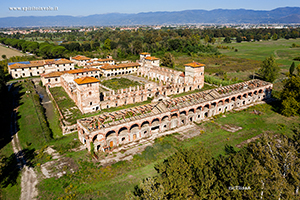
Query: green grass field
{"points": [[92, 181], [119, 83], [280, 49]]}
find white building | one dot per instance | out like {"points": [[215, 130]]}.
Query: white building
{"points": [[38, 67]]}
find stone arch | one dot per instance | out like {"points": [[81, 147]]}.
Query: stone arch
{"points": [[199, 108], [174, 115], [94, 137], [255, 92], [134, 126], [145, 129], [183, 113], [227, 100], [239, 97], [110, 133], [122, 129], [207, 106], [134, 132], [213, 104], [260, 91], [221, 102], [245, 95], [165, 122], [166, 117], [191, 111], [233, 99], [111, 138], [250, 94]]}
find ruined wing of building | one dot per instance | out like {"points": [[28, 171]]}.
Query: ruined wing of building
{"points": [[109, 130]]}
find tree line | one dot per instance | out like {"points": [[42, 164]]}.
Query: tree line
{"points": [[265, 169], [123, 44]]}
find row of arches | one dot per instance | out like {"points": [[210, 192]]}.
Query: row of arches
{"points": [[150, 126]]}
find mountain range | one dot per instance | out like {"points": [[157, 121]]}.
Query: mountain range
{"points": [[284, 15]]}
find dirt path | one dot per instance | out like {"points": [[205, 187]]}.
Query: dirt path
{"points": [[29, 177]]}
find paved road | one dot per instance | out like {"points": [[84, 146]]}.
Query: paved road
{"points": [[29, 177]]}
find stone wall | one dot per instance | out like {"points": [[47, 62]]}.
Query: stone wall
{"points": [[136, 128]]}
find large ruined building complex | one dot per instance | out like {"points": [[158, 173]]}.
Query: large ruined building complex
{"points": [[120, 127], [109, 130]]}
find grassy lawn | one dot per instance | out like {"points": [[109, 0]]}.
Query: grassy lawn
{"points": [[33, 130], [92, 181], [72, 113], [119, 83], [280, 49], [66, 105]]}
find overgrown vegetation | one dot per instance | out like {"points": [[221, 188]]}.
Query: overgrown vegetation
{"points": [[112, 182], [119, 83]]}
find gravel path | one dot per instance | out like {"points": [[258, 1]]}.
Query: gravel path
{"points": [[29, 177]]}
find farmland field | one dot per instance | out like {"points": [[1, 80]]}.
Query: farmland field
{"points": [[280, 49], [9, 52]]}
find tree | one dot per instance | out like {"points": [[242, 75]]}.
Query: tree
{"points": [[107, 44], [227, 40], [3, 56], [275, 36], [168, 60], [239, 39], [292, 68], [290, 96], [269, 70], [206, 39]]}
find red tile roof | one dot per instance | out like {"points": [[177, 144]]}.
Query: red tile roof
{"points": [[151, 58], [85, 80], [194, 64]]}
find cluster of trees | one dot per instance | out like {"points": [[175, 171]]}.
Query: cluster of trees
{"points": [[123, 44], [290, 95], [45, 49], [269, 70], [267, 169]]}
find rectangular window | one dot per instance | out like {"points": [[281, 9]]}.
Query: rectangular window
{"points": [[91, 103]]}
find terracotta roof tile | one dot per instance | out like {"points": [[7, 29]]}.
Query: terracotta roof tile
{"points": [[75, 71], [120, 66], [79, 57], [85, 80], [151, 58], [195, 64], [52, 74]]}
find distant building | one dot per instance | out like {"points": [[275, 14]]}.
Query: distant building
{"points": [[38, 67], [80, 60]]}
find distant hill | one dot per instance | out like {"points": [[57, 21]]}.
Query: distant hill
{"points": [[284, 15]]}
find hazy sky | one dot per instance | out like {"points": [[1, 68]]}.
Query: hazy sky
{"points": [[89, 7]]}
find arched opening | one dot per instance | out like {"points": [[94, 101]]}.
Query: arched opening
{"points": [[199, 109], [183, 113], [239, 97], [213, 105], [98, 147], [206, 107], [191, 111], [155, 125], [227, 100]]}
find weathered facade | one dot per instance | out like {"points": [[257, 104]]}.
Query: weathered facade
{"points": [[53, 79], [112, 129]]}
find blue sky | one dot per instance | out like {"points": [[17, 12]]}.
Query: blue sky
{"points": [[89, 7]]}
